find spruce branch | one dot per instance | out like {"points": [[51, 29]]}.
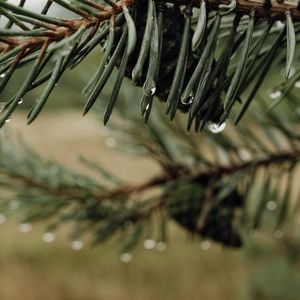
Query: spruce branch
{"points": [[191, 76], [197, 188]]}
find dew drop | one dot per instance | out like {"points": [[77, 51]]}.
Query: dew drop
{"points": [[279, 24], [161, 246], [275, 94], [21, 101], [25, 227], [3, 219], [216, 128], [297, 84], [205, 245], [149, 244], [13, 204], [271, 205], [7, 120], [2, 75], [77, 245], [48, 237], [110, 142], [152, 91], [125, 257], [188, 100], [245, 155], [148, 106]]}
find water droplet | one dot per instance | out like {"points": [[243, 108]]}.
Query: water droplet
{"points": [[275, 94], [161, 246], [279, 24], [13, 204], [21, 101], [56, 84], [110, 142], [7, 120], [2, 219], [153, 90], [25, 227], [2, 75], [205, 245], [216, 128], [149, 244], [297, 84], [77, 245], [148, 106], [125, 257], [189, 99], [245, 155], [271, 205], [48, 237]]}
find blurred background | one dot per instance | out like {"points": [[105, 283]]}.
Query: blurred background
{"points": [[34, 267]]}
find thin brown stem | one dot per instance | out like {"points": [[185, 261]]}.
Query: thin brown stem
{"points": [[158, 181]]}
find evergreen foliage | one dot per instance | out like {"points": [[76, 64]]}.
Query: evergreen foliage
{"points": [[205, 58]]}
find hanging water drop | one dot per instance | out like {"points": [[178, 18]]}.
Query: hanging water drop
{"points": [[21, 101], [161, 246], [152, 91], [77, 245], [297, 84], [2, 219], [149, 244], [48, 237], [7, 120], [216, 128], [279, 24], [205, 245], [275, 94], [13, 204], [25, 227], [244, 154], [110, 142], [271, 205], [189, 99], [2, 75], [125, 257]]}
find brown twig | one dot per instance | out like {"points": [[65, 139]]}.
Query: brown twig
{"points": [[216, 171]]}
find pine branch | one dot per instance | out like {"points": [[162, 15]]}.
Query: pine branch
{"points": [[203, 195], [194, 79]]}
